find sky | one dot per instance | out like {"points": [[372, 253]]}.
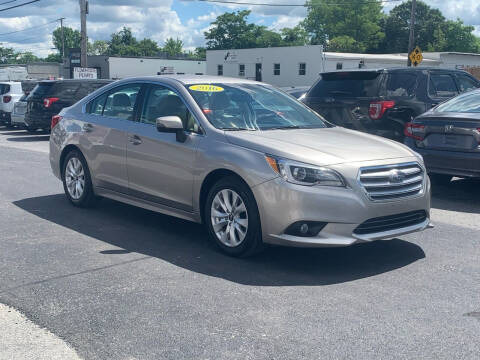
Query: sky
{"points": [[160, 19]]}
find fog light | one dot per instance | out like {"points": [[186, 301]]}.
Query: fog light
{"points": [[305, 228]]}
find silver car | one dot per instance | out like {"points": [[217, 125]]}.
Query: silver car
{"points": [[250, 162]]}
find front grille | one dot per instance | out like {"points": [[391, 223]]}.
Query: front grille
{"points": [[391, 222], [391, 182]]}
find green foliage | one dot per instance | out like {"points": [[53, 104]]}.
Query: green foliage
{"points": [[173, 47], [345, 44], [98, 47], [296, 36], [432, 31], [267, 38], [72, 38], [357, 19], [53, 58], [231, 31]]}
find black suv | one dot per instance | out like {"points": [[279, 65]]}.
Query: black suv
{"points": [[382, 101], [49, 97]]}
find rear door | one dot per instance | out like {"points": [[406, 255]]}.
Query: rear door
{"points": [[343, 98], [110, 118], [441, 86]]}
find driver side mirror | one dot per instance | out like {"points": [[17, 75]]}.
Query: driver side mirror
{"points": [[171, 124]]}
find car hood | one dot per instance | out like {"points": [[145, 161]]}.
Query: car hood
{"points": [[325, 146]]}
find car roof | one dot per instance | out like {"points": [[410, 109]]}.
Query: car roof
{"points": [[106, 81], [195, 79], [397, 69]]}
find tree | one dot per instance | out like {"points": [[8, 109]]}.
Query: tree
{"points": [[173, 47], [7, 55], [267, 38], [357, 19], [123, 43], [231, 31], [148, 47], [200, 53], [72, 38], [57, 57], [296, 36], [432, 31], [345, 44], [98, 47], [26, 57]]}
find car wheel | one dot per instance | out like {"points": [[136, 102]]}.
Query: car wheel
{"points": [[232, 218], [440, 179], [77, 182]]}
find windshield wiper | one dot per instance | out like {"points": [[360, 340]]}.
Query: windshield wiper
{"points": [[287, 127], [236, 129]]}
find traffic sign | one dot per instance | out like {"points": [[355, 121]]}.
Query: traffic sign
{"points": [[416, 56]]}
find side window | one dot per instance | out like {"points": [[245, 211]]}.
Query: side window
{"points": [[442, 85], [161, 101], [465, 83], [120, 102], [276, 69], [401, 84], [97, 105], [302, 69]]}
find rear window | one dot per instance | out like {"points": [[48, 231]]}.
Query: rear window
{"points": [[42, 89], [4, 88], [442, 85], [465, 103], [401, 84], [347, 84]]}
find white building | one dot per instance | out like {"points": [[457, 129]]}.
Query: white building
{"points": [[113, 67], [301, 65]]}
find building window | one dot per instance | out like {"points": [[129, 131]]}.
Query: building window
{"points": [[241, 70], [220, 70], [302, 69], [339, 66], [276, 69]]}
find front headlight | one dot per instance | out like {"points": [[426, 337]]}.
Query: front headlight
{"points": [[304, 174]]}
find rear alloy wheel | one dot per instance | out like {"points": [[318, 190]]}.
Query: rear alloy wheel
{"points": [[77, 183], [232, 218]]}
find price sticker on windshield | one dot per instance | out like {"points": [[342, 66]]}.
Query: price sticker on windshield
{"points": [[206, 88]]}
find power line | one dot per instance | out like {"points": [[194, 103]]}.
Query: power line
{"points": [[16, 6], [7, 2], [291, 5], [33, 27]]}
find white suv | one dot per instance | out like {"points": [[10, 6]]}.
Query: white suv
{"points": [[10, 93]]}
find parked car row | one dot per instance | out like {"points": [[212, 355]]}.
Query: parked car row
{"points": [[253, 163], [31, 104]]}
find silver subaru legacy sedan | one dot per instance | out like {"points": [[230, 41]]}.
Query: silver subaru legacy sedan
{"points": [[250, 162]]}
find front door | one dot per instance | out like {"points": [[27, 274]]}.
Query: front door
{"points": [[258, 72], [161, 169]]}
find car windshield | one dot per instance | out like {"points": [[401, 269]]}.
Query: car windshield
{"points": [[465, 103], [252, 107]]}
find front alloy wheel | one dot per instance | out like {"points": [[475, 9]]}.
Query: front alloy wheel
{"points": [[229, 218], [232, 218]]}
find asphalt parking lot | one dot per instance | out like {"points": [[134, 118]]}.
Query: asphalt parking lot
{"points": [[118, 282]]}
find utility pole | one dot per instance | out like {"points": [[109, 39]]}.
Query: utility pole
{"points": [[63, 37], [83, 24], [411, 38]]}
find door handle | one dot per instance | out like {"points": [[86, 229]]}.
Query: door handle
{"points": [[87, 127], [135, 140]]}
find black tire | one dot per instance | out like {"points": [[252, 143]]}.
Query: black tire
{"points": [[88, 198], [440, 179], [252, 243]]}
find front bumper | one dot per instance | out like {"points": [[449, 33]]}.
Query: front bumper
{"points": [[343, 209]]}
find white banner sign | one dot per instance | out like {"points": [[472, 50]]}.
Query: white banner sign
{"points": [[84, 73]]}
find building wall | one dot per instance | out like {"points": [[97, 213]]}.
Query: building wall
{"points": [[460, 61], [289, 59], [126, 67], [44, 70]]}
